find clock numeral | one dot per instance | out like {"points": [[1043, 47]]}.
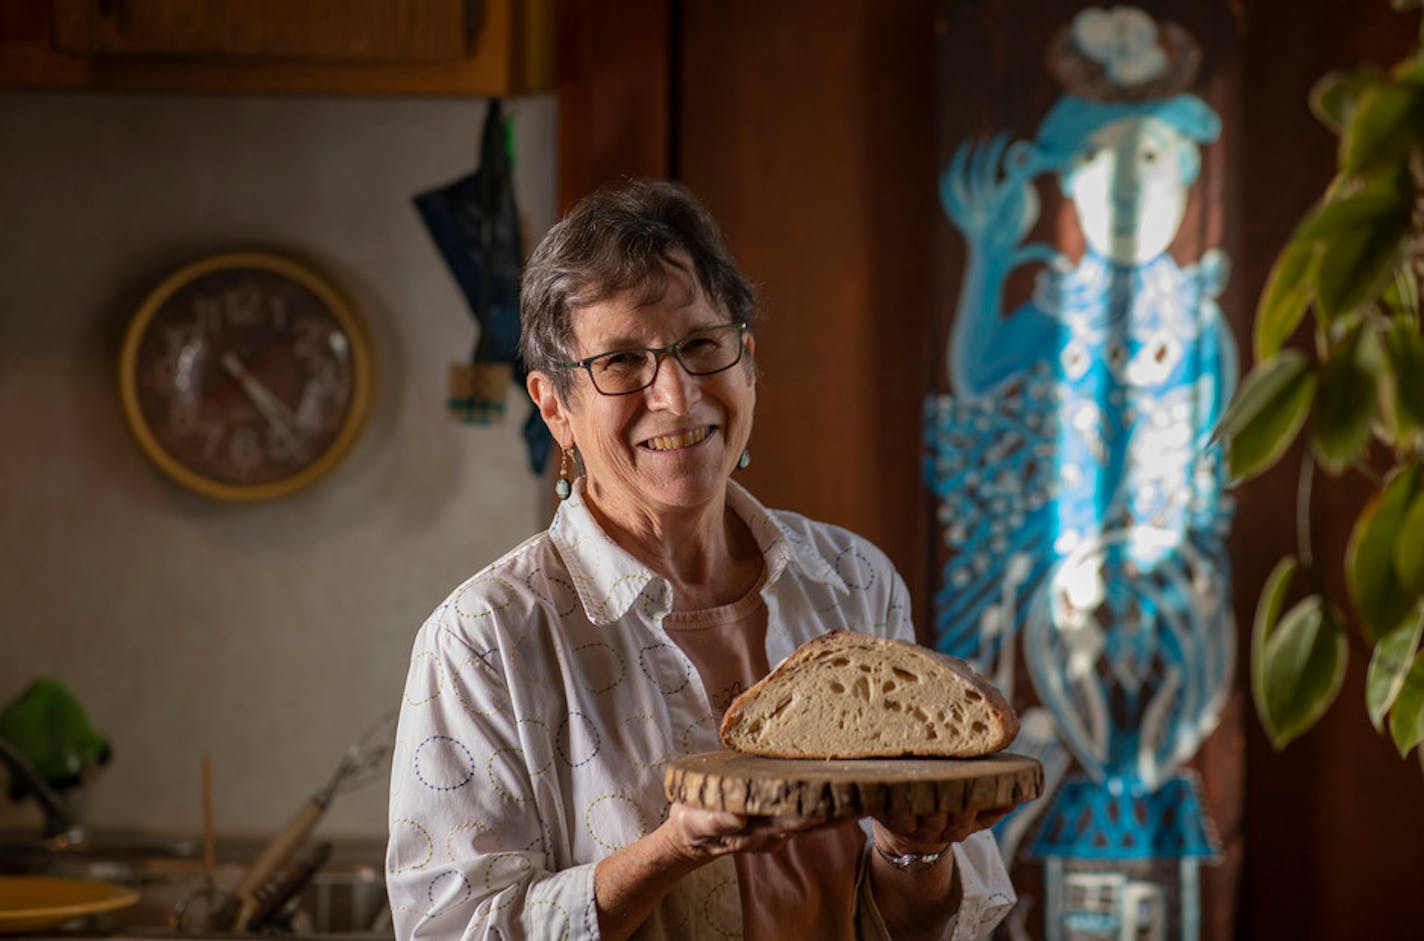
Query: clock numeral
{"points": [[244, 305], [278, 307], [284, 446], [207, 316], [311, 341], [182, 416], [212, 439], [245, 449]]}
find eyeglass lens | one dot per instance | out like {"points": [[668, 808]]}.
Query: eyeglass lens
{"points": [[700, 353]]}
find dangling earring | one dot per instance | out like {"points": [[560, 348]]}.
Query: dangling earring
{"points": [[564, 486], [744, 460]]}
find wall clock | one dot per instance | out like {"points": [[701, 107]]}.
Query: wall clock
{"points": [[245, 376]]}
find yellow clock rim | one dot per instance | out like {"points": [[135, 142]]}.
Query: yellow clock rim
{"points": [[334, 303]]}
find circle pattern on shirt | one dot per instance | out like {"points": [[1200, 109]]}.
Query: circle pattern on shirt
{"points": [[452, 881], [718, 900], [427, 665], [443, 764], [663, 665], [707, 721], [410, 840], [466, 846], [643, 741], [503, 770], [546, 920], [558, 592], [531, 662], [573, 752], [483, 597], [503, 869], [478, 686], [601, 666], [610, 818], [854, 569]]}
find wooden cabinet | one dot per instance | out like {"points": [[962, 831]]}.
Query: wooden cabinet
{"points": [[369, 47]]}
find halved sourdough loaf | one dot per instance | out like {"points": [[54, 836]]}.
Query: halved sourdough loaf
{"points": [[850, 695]]}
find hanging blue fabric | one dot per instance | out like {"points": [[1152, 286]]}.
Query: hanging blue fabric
{"points": [[475, 224]]}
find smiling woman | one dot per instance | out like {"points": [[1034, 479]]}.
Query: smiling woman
{"points": [[639, 332]]}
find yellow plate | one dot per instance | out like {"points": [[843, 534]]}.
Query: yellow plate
{"points": [[30, 903]]}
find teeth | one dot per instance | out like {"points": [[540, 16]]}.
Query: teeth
{"points": [[673, 442]]}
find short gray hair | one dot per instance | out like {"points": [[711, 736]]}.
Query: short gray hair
{"points": [[617, 241]]}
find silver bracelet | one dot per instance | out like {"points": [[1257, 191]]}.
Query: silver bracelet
{"points": [[911, 862]]}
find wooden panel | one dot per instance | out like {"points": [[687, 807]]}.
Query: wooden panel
{"points": [[1335, 823], [510, 53], [293, 29], [807, 129], [614, 94]]}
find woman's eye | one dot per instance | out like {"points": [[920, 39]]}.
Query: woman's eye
{"points": [[620, 360], [699, 345]]}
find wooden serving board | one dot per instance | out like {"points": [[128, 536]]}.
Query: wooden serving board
{"points": [[805, 787]]}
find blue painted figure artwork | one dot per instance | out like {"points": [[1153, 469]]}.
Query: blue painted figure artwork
{"points": [[1075, 480]]}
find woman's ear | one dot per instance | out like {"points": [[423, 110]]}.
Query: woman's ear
{"points": [[551, 407]]}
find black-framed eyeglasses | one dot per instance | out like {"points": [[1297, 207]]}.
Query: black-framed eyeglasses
{"points": [[702, 353]]}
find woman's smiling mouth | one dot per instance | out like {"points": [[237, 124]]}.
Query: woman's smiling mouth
{"points": [[678, 441]]}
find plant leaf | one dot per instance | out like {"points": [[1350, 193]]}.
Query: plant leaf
{"points": [[1409, 548], [1344, 406], [1267, 413], [1257, 389], [1268, 612], [1402, 296], [1288, 293], [1353, 202], [1304, 667], [1388, 666], [1406, 719], [1383, 126], [1360, 243], [1406, 356], [1381, 601], [1333, 97]]}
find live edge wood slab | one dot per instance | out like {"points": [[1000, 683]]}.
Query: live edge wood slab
{"points": [[804, 787]]}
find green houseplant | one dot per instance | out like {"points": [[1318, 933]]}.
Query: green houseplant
{"points": [[1350, 275]]}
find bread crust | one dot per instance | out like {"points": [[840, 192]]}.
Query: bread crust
{"points": [[876, 648]]}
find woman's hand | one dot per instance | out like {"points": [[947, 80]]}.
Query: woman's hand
{"points": [[931, 833], [702, 835], [918, 904]]}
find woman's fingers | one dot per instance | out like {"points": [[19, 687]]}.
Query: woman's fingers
{"points": [[909, 833], [707, 834]]}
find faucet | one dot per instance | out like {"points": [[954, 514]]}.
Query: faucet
{"points": [[60, 819]]}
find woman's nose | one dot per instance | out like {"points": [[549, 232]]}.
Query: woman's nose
{"points": [[673, 387]]}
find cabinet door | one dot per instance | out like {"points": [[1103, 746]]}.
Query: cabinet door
{"points": [[315, 30]]}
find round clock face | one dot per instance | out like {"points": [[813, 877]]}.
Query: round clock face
{"points": [[244, 376]]}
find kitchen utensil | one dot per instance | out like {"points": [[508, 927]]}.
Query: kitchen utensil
{"points": [[363, 759], [209, 844], [273, 896], [34, 903], [752, 784]]}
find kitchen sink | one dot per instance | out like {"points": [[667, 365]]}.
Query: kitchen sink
{"points": [[346, 896]]}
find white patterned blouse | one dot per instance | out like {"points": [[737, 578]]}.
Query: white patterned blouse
{"points": [[543, 701]]}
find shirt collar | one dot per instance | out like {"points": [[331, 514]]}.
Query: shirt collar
{"points": [[609, 580]]}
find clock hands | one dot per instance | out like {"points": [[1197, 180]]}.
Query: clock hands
{"points": [[272, 408]]}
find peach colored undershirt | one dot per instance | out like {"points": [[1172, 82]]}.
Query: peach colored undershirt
{"points": [[805, 889]]}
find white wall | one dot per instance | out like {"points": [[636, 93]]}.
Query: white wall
{"points": [[265, 636]]}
